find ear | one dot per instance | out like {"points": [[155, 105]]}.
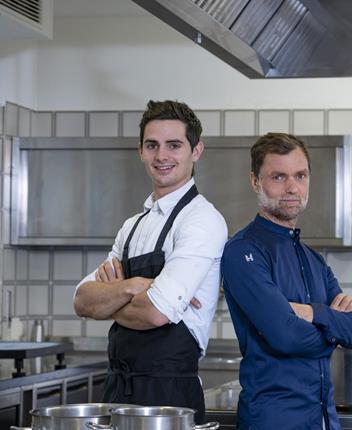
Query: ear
{"points": [[197, 151], [254, 182]]}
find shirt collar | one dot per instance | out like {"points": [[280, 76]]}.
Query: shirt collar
{"points": [[164, 204], [292, 233]]}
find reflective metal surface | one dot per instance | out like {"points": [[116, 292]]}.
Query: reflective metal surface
{"points": [[76, 191], [267, 38], [154, 418]]}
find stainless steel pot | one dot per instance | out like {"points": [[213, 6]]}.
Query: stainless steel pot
{"points": [[152, 418], [71, 417], [341, 370]]}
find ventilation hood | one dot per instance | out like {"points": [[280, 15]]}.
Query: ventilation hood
{"points": [[267, 38]]}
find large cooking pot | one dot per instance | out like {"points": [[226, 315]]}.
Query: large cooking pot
{"points": [[341, 370], [70, 417], [152, 418]]}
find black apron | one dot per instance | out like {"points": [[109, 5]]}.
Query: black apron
{"points": [[157, 367]]}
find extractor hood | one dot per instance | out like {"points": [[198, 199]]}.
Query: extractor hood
{"points": [[267, 38]]}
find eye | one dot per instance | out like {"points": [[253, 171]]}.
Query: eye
{"points": [[302, 176], [150, 145], [174, 145], [278, 178]]}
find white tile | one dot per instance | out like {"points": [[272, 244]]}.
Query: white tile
{"points": [[240, 123], [67, 265], [38, 265], [67, 328], [103, 124], [11, 119], [63, 300], [9, 264], [21, 264], [21, 297], [274, 121], [94, 259], [339, 122], [41, 124], [308, 122], [210, 122], [38, 296], [130, 123], [228, 332], [70, 124], [24, 122], [341, 265], [98, 328]]}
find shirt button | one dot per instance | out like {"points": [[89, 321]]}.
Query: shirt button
{"points": [[179, 297], [308, 295], [333, 340], [292, 232]]}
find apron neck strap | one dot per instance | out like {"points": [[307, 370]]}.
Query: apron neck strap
{"points": [[127, 243], [185, 199]]}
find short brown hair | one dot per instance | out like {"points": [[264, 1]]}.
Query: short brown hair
{"points": [[275, 143], [170, 109]]}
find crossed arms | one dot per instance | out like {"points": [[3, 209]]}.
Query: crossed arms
{"points": [[289, 328]]}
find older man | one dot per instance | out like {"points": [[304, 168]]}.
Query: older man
{"points": [[288, 310]]}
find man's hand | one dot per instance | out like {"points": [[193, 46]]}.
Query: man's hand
{"points": [[196, 303], [107, 272], [302, 311], [342, 303]]}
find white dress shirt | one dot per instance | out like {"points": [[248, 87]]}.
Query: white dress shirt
{"points": [[193, 249]]}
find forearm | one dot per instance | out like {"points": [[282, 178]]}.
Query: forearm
{"points": [[99, 300], [335, 325], [140, 314]]}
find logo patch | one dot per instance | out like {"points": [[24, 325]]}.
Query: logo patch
{"points": [[249, 257]]}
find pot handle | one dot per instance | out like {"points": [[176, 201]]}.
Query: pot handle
{"points": [[210, 426], [94, 426]]}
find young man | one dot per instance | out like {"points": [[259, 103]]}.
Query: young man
{"points": [[160, 261], [288, 310]]}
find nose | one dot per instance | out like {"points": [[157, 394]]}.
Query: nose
{"points": [[161, 153], [291, 185]]}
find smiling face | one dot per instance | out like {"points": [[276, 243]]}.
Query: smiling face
{"points": [[282, 187], [167, 155]]}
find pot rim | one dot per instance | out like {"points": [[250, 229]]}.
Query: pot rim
{"points": [[44, 411], [131, 411]]}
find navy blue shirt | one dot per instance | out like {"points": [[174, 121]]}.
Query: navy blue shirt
{"points": [[285, 370]]}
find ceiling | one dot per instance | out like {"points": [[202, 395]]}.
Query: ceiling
{"points": [[96, 8]]}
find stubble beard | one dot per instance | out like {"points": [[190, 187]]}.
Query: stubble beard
{"points": [[273, 208]]}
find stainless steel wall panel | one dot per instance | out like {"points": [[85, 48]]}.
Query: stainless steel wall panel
{"points": [[80, 191]]}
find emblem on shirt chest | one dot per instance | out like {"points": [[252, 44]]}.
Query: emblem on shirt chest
{"points": [[249, 257]]}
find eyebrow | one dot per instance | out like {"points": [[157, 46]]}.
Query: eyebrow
{"points": [[168, 141], [277, 172]]}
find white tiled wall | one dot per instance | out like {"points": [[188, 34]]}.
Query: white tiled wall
{"points": [[43, 280]]}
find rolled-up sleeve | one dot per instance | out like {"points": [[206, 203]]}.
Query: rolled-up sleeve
{"points": [[198, 244]]}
